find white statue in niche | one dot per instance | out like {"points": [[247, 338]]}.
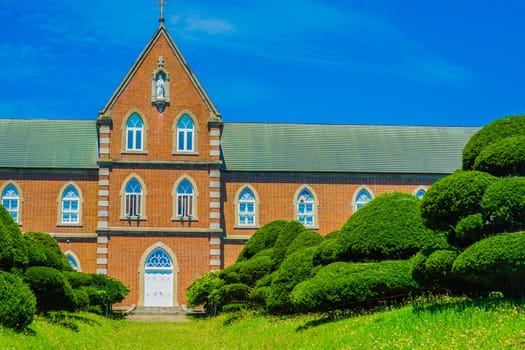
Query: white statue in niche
{"points": [[160, 87]]}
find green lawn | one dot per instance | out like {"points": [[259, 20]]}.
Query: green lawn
{"points": [[494, 326]]}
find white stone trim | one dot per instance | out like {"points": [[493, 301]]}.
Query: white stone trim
{"points": [[102, 240], [215, 262], [215, 252], [102, 250], [215, 241], [215, 132], [102, 261], [103, 193], [102, 271]]}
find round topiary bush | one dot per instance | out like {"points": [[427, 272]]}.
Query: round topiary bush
{"points": [[17, 302], [13, 251], [491, 133], [296, 268], [255, 268], [388, 227], [503, 158], [51, 289], [504, 205], [454, 197], [470, 229], [288, 234], [263, 238], [344, 285], [438, 266], [304, 239], [497, 262], [47, 246], [329, 251]]}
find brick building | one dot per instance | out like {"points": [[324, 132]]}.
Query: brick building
{"points": [[159, 188]]}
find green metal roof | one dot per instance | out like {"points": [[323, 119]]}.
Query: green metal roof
{"points": [[343, 148], [61, 144]]}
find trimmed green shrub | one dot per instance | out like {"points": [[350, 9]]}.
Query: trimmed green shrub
{"points": [[454, 197], [110, 290], [327, 252], [296, 268], [231, 273], [263, 238], [13, 251], [200, 290], [388, 227], [503, 158], [332, 235], [438, 266], [470, 229], [304, 239], [288, 234], [496, 262], [504, 205], [51, 289], [255, 268], [234, 293], [77, 279], [48, 246], [343, 285], [17, 302], [491, 133]]}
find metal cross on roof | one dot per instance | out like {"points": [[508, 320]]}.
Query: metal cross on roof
{"points": [[161, 3]]}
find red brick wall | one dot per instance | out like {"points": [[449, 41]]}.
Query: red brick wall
{"points": [[86, 252], [125, 252], [159, 202], [334, 193], [40, 192], [137, 96]]}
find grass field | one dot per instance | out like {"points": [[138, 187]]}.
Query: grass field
{"points": [[488, 325]]}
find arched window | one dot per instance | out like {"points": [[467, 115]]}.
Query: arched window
{"points": [[11, 201], [185, 199], [363, 197], [134, 133], [73, 262], [305, 208], [246, 208], [133, 199], [420, 193], [185, 134], [70, 207]]}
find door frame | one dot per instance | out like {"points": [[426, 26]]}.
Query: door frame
{"points": [[142, 266]]}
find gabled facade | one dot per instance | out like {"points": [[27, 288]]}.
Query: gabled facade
{"points": [[159, 189]]}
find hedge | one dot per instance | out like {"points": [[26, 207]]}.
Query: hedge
{"points": [[389, 227], [503, 158], [255, 268], [288, 234], [329, 251], [263, 238], [470, 229], [13, 251], [304, 239], [296, 268], [51, 289], [496, 262], [504, 205], [344, 285], [491, 133], [454, 197], [48, 246], [17, 302]]}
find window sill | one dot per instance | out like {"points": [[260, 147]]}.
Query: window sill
{"points": [[185, 219], [68, 225], [133, 218], [311, 227], [184, 153], [125, 151], [246, 227]]}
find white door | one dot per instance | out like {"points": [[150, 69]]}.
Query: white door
{"points": [[158, 279]]}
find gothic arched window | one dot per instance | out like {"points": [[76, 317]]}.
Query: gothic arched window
{"points": [[246, 208], [133, 199], [185, 199], [305, 208], [185, 134], [134, 133], [11, 201], [70, 208], [363, 197]]}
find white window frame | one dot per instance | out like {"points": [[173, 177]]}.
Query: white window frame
{"points": [[306, 208], [246, 217], [10, 195], [134, 133], [133, 199], [183, 131], [185, 199], [362, 197], [70, 198]]}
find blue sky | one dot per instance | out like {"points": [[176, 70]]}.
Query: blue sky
{"points": [[450, 62]]}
